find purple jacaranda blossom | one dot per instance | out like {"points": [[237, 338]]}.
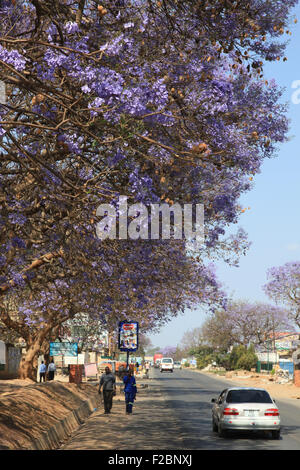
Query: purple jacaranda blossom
{"points": [[128, 25], [18, 279], [13, 57], [17, 218], [97, 103], [71, 27], [86, 89], [17, 242]]}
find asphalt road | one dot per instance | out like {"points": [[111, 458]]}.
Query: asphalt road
{"points": [[189, 397]]}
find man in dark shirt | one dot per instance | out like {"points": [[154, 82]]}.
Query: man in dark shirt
{"points": [[108, 382]]}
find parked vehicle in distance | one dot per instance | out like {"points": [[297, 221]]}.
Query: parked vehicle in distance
{"points": [[245, 409], [177, 365], [157, 358], [166, 364]]}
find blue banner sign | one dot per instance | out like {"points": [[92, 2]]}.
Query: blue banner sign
{"points": [[63, 349]]}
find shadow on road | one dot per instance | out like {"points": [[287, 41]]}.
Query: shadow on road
{"points": [[171, 377], [195, 423]]}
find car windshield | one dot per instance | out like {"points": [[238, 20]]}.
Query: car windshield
{"points": [[168, 361], [248, 396]]}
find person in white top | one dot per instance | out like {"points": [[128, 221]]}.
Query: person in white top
{"points": [[51, 370], [147, 367], [43, 370]]}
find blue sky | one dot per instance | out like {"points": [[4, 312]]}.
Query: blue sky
{"points": [[273, 221]]}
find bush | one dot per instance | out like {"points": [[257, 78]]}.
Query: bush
{"points": [[242, 358], [204, 356], [203, 361], [223, 360]]}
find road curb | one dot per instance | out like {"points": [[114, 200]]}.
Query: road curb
{"points": [[62, 430]]}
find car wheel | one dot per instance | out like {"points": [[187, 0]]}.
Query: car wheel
{"points": [[276, 434], [221, 432], [214, 426]]}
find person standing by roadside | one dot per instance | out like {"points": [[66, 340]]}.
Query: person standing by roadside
{"points": [[51, 370], [42, 371], [147, 367], [108, 382], [130, 391]]}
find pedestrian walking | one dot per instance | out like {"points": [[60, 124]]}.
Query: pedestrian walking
{"points": [[51, 370], [147, 367], [108, 382], [137, 367], [130, 391], [42, 371]]}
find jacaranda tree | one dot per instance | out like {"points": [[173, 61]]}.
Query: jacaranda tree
{"points": [[157, 101], [245, 323], [284, 288]]}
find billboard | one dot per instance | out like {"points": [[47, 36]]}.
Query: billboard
{"points": [[63, 349], [128, 336]]}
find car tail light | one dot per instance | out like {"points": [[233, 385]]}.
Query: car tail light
{"points": [[230, 412], [272, 412]]}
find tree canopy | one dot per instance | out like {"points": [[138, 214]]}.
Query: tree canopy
{"points": [[157, 101]]}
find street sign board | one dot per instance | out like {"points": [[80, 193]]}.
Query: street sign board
{"points": [[74, 359], [128, 336], [90, 370], [267, 356], [63, 349]]}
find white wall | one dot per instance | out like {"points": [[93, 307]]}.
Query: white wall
{"points": [[2, 353]]}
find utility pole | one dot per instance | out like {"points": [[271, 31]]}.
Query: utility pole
{"points": [[110, 346]]}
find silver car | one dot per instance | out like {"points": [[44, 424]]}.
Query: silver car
{"points": [[245, 409]]}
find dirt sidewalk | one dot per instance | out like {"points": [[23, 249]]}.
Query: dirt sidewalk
{"points": [[151, 426], [58, 414]]}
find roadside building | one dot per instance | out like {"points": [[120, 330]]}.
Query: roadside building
{"points": [[10, 357], [277, 351]]}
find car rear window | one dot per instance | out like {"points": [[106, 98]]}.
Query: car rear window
{"points": [[168, 361], [248, 396]]}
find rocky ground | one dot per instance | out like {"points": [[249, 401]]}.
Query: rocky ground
{"points": [[270, 383]]}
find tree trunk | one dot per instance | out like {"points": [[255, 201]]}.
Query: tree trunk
{"points": [[28, 365], [37, 344]]}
